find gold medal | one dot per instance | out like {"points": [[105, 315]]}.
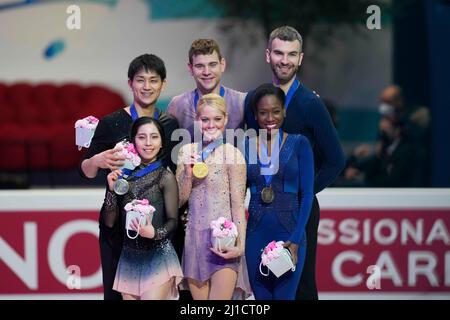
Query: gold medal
{"points": [[200, 170], [267, 195]]}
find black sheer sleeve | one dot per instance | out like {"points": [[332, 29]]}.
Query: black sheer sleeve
{"points": [[110, 210], [170, 190]]}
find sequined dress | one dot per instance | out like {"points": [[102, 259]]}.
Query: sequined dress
{"points": [[282, 220], [221, 193], [147, 263]]}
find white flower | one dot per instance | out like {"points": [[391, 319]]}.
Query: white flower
{"points": [[271, 251], [141, 206], [88, 123], [223, 227]]}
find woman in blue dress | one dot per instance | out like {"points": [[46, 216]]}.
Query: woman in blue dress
{"points": [[280, 175]]}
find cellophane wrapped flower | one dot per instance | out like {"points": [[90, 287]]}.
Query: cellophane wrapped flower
{"points": [[89, 122], [222, 228], [271, 251], [130, 153], [142, 206], [84, 131]]}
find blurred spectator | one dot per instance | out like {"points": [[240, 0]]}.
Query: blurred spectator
{"points": [[403, 131], [415, 118], [416, 124], [392, 163]]}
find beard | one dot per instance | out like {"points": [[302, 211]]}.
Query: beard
{"points": [[207, 87], [282, 76]]}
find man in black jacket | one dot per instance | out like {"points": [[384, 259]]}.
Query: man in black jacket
{"points": [[307, 115], [146, 79]]}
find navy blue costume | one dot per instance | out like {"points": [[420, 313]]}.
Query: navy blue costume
{"points": [[282, 220], [307, 115]]}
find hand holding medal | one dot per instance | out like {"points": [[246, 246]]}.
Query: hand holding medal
{"points": [[195, 167], [132, 160], [121, 186], [200, 169], [116, 183], [189, 160], [119, 178]]}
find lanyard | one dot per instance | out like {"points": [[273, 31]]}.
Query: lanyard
{"points": [[150, 168], [210, 148], [291, 92], [196, 96], [265, 155], [134, 114]]}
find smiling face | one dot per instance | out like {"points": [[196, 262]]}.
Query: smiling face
{"points": [[284, 58], [212, 122], [207, 70], [148, 142], [146, 87], [270, 113]]}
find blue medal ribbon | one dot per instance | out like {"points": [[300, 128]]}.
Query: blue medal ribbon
{"points": [[291, 92], [148, 169], [135, 116], [197, 97], [265, 154], [210, 148]]}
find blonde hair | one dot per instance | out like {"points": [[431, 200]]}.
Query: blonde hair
{"points": [[214, 101]]}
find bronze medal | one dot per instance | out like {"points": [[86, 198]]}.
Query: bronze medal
{"points": [[267, 195], [200, 170]]}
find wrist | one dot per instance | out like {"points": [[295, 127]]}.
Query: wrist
{"points": [[88, 168], [152, 231], [188, 173], [95, 161], [149, 232]]}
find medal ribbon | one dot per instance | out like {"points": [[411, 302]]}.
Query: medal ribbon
{"points": [[210, 148], [265, 155], [196, 96], [291, 92], [142, 172], [135, 116]]}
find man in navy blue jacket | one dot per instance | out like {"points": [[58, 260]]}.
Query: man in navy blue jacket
{"points": [[307, 115]]}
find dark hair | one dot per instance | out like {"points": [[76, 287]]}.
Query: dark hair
{"points": [[204, 46], [148, 120], [148, 62], [285, 33], [267, 89]]}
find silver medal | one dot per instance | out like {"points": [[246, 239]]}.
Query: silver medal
{"points": [[121, 187]]}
